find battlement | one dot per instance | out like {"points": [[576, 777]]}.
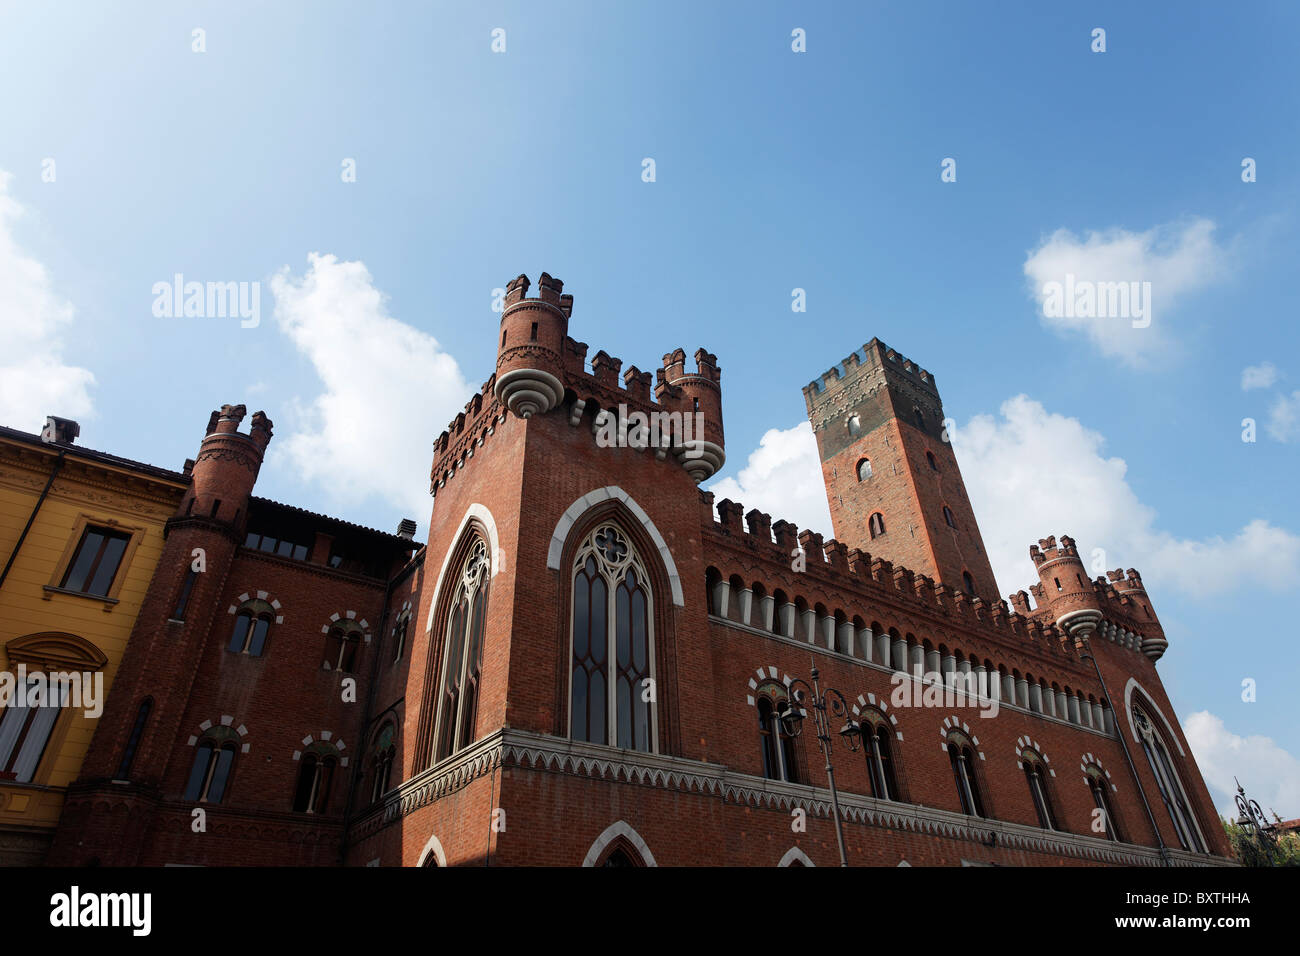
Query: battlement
{"points": [[1047, 550], [876, 359], [549, 292]]}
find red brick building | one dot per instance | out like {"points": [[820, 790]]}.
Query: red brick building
{"points": [[590, 662]]}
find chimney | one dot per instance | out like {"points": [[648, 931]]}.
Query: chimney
{"points": [[60, 431], [406, 529]]}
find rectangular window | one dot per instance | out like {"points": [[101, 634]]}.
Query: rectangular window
{"points": [[24, 734], [96, 561]]}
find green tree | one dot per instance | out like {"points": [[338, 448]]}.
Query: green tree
{"points": [[1250, 847]]}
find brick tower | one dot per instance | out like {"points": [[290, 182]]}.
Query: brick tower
{"points": [[891, 476]]}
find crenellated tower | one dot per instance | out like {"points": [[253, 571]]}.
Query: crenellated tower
{"points": [[699, 396], [891, 475], [530, 355]]}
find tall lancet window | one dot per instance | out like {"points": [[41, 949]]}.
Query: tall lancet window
{"points": [[612, 690], [463, 658], [1171, 787]]}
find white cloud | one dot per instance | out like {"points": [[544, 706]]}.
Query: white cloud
{"points": [[1270, 774], [34, 381], [1175, 258], [1284, 418], [783, 477], [1030, 473], [1262, 375], [388, 387]]}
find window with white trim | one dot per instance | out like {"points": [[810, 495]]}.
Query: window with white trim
{"points": [[611, 674]]}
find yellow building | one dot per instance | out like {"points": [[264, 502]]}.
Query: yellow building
{"points": [[81, 532]]}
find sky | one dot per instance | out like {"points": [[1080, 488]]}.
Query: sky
{"points": [[370, 175]]}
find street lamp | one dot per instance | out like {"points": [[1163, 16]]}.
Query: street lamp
{"points": [[1252, 820], [828, 708]]}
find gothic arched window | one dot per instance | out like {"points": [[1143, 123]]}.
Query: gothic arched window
{"points": [[962, 757], [1036, 774], [879, 752], [876, 524], [948, 517], [214, 759], [315, 774], [463, 657], [252, 626], [773, 735], [864, 469], [341, 646], [1100, 788], [611, 674], [381, 761], [1171, 787]]}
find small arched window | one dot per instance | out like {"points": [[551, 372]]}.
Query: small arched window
{"points": [[315, 775], [133, 742], [855, 425], [399, 636], [341, 646], [968, 582], [214, 761], [962, 757], [948, 517], [1103, 817], [775, 741], [919, 418], [252, 628], [381, 762], [934, 465], [877, 746], [1036, 775], [876, 524], [864, 469]]}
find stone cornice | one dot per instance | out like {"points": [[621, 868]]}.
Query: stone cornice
{"points": [[529, 751]]}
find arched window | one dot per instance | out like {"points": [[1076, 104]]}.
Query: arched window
{"points": [[463, 656], [855, 425], [214, 760], [315, 775], [381, 762], [864, 469], [341, 645], [1100, 788], [1036, 774], [876, 524], [252, 627], [774, 739], [948, 517], [878, 748], [399, 635], [934, 465], [968, 582], [133, 742], [919, 417], [612, 669], [962, 757], [1171, 787]]}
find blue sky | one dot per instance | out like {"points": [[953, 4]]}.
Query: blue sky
{"points": [[775, 170]]}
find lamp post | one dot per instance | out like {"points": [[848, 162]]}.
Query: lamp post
{"points": [[1252, 820], [827, 705]]}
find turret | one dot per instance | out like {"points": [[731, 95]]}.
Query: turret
{"points": [[698, 397], [1130, 586], [227, 466], [530, 363], [1065, 588]]}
